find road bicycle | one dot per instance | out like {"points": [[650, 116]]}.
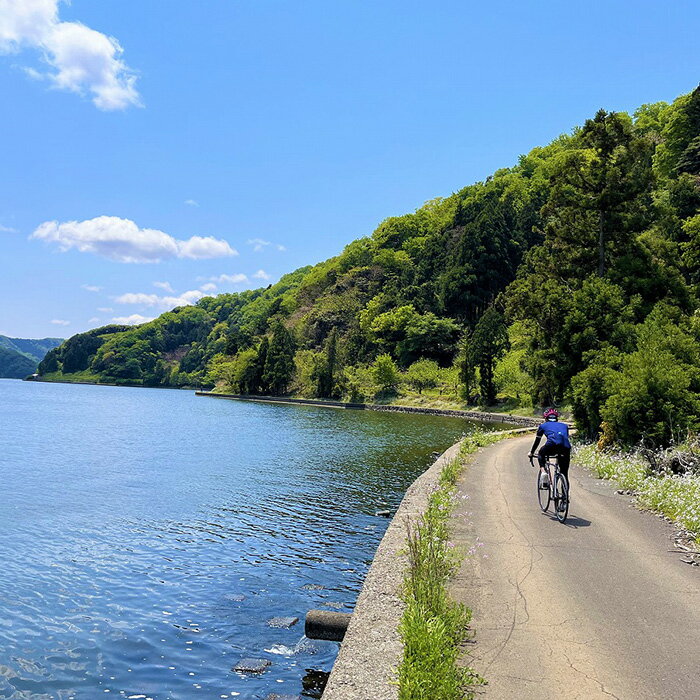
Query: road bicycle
{"points": [[552, 486]]}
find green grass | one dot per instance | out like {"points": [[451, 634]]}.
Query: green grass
{"points": [[677, 497], [76, 377], [433, 626]]}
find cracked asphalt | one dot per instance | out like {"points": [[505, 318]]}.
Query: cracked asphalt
{"points": [[594, 608]]}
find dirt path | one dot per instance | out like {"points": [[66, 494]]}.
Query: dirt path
{"points": [[595, 608]]}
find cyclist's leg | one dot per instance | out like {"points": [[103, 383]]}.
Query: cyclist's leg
{"points": [[564, 462], [545, 451]]}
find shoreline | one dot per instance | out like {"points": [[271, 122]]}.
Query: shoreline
{"points": [[483, 416]]}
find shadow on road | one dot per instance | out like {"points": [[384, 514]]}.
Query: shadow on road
{"points": [[576, 522], [572, 521]]}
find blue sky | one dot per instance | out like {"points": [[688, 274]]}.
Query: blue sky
{"points": [[279, 131]]}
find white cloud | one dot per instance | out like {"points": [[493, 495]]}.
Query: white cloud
{"points": [[259, 244], [7, 229], [164, 286], [261, 275], [132, 320], [236, 278], [208, 287], [94, 319], [80, 59], [105, 309], [60, 322], [191, 202], [168, 302], [91, 288], [123, 241]]}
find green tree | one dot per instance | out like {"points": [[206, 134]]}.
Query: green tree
{"points": [[279, 365], [423, 374], [656, 392], [488, 344], [326, 373], [385, 372]]}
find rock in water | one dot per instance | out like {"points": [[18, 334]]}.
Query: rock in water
{"points": [[235, 597], [252, 665], [383, 513], [283, 622], [277, 696]]}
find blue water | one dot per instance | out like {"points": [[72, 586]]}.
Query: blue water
{"points": [[147, 536]]}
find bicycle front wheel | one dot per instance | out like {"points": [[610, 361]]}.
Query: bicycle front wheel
{"points": [[561, 498], [543, 495]]}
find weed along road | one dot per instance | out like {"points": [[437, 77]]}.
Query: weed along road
{"points": [[595, 608]]}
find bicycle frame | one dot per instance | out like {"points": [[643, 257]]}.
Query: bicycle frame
{"points": [[554, 475]]}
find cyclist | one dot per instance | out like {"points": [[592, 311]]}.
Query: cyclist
{"points": [[558, 444]]}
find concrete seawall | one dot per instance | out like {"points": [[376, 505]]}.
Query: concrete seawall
{"points": [[482, 416], [371, 651]]}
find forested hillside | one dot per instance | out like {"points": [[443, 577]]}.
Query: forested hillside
{"points": [[20, 356], [571, 277]]}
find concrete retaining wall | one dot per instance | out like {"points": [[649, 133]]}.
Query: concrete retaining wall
{"points": [[371, 651], [501, 418]]}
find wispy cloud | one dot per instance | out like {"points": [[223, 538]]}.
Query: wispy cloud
{"points": [[261, 275], [208, 287], [123, 241], [105, 309], [91, 288], [132, 320], [79, 59], [167, 302], [191, 202], [7, 229], [259, 245], [235, 278], [165, 286], [60, 322], [94, 319]]}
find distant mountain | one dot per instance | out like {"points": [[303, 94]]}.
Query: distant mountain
{"points": [[35, 349], [20, 356]]}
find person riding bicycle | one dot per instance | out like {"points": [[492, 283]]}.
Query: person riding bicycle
{"points": [[557, 444]]}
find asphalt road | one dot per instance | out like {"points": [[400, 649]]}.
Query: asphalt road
{"points": [[595, 608]]}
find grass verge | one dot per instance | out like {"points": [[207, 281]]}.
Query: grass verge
{"points": [[433, 626], [677, 497]]}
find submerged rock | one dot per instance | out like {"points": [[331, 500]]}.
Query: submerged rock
{"points": [[314, 682], [283, 622], [235, 597], [252, 665]]}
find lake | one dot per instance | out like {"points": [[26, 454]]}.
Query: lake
{"points": [[147, 536]]}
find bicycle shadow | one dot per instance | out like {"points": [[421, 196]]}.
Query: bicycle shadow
{"points": [[573, 521]]}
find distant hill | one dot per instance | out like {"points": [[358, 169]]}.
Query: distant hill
{"points": [[20, 356], [36, 349]]}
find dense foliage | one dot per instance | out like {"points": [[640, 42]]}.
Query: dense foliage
{"points": [[572, 277]]}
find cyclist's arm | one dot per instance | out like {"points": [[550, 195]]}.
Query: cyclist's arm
{"points": [[536, 444]]}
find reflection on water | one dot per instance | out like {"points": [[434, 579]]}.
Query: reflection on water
{"points": [[147, 536]]}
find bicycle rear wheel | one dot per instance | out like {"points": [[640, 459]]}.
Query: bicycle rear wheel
{"points": [[561, 497], [543, 495]]}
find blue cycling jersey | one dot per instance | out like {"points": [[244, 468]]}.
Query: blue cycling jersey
{"points": [[556, 433]]}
